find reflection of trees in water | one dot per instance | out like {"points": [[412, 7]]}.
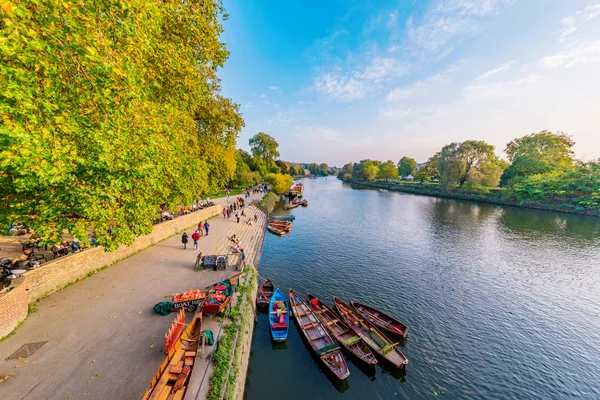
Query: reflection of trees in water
{"points": [[541, 223], [450, 212]]}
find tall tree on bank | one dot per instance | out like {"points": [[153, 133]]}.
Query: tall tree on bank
{"points": [[264, 150], [469, 160], [387, 170], [110, 110], [537, 153], [406, 166]]}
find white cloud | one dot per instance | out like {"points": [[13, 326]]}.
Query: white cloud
{"points": [[274, 87], [571, 24], [359, 83], [262, 96], [582, 53], [497, 89], [501, 68]]}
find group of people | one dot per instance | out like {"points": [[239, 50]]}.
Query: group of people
{"points": [[237, 249], [203, 228], [166, 215], [64, 247]]}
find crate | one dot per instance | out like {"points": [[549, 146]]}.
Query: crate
{"points": [[221, 263], [210, 262]]}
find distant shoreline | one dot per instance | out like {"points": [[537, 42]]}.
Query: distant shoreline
{"points": [[479, 198]]}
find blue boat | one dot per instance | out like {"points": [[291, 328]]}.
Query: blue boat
{"points": [[289, 218], [279, 317]]}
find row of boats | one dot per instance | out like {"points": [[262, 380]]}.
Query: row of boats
{"points": [[362, 330]]}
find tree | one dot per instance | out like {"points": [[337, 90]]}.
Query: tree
{"points": [[461, 162], [284, 166], [346, 170], [365, 170], [429, 171], [280, 183], [537, 153], [324, 169], [387, 170], [110, 110], [264, 148], [406, 166]]}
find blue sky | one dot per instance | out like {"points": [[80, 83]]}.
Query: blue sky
{"points": [[338, 81]]}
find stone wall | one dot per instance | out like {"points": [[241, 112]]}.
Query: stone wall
{"points": [[13, 306], [56, 274]]}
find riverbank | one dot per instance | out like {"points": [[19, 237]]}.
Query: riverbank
{"points": [[100, 337], [436, 191]]}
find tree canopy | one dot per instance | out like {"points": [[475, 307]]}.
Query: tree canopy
{"points": [[387, 170], [406, 166], [280, 183], [110, 110], [469, 160]]}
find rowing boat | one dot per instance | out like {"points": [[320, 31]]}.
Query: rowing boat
{"points": [[279, 317], [281, 225], [387, 323], [318, 337], [342, 332], [219, 296], [171, 379], [289, 218], [264, 294], [290, 206], [275, 230], [304, 203], [368, 332]]}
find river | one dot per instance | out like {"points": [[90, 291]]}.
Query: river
{"points": [[501, 302]]}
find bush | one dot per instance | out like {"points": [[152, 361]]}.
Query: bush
{"points": [[280, 183]]}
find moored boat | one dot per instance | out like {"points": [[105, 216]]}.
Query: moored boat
{"points": [[279, 316], [304, 203], [289, 218], [318, 337], [368, 332], [275, 230], [171, 379], [342, 332], [264, 293], [291, 205], [387, 323], [282, 225]]}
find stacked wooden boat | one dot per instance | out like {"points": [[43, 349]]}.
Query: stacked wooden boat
{"points": [[279, 227]]}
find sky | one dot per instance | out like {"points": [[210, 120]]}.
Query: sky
{"points": [[338, 81]]}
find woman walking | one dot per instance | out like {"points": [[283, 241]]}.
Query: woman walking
{"points": [[184, 240]]}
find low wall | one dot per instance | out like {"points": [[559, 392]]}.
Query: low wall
{"points": [[56, 274], [13, 306]]}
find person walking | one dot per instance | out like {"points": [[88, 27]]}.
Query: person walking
{"points": [[184, 240], [200, 227], [195, 238], [243, 258], [255, 218], [237, 216], [224, 212], [206, 226]]}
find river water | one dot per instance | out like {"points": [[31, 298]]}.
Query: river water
{"points": [[501, 303]]}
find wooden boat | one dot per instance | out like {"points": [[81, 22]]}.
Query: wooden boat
{"points": [[383, 321], [171, 379], [219, 296], [342, 332], [289, 218], [319, 338], [368, 332], [304, 203], [290, 206], [275, 230], [264, 294], [279, 316], [281, 225]]}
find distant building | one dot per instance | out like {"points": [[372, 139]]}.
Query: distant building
{"points": [[408, 177], [306, 172], [419, 166]]}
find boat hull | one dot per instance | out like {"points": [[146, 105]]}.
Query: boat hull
{"points": [[383, 321], [278, 328]]}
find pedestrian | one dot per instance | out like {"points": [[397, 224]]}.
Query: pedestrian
{"points": [[206, 226], [200, 227], [255, 218], [237, 216], [195, 238], [224, 212], [243, 258], [184, 240]]}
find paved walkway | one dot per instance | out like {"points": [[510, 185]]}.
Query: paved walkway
{"points": [[103, 340]]}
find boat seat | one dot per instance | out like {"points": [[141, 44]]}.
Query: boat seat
{"points": [[333, 321], [350, 340], [309, 325], [279, 326]]}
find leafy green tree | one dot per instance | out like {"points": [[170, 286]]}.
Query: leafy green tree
{"points": [[346, 170], [284, 166], [324, 169], [429, 171], [387, 170], [461, 162], [537, 153], [264, 148], [365, 170], [280, 183], [109, 111], [406, 166]]}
